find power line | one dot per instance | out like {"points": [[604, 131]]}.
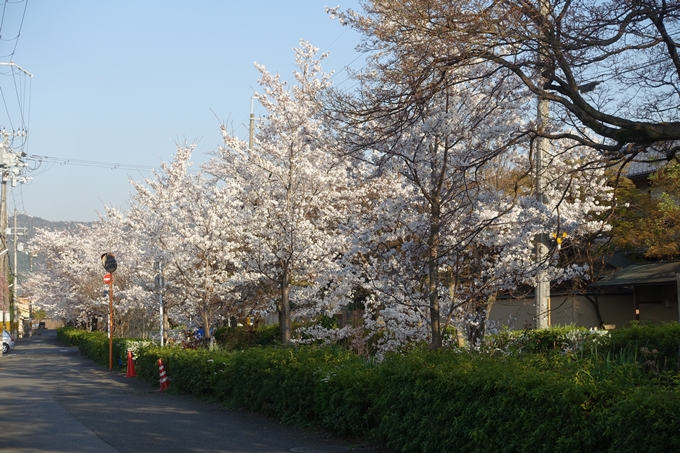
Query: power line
{"points": [[20, 101], [39, 160], [4, 101], [2, 21], [21, 25]]}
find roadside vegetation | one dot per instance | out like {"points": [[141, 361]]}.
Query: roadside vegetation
{"points": [[414, 198], [560, 389]]}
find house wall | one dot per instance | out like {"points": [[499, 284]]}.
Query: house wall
{"points": [[616, 310]]}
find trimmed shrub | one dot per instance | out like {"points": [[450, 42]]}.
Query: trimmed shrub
{"points": [[563, 339], [438, 401], [645, 420], [95, 345], [240, 338], [664, 338]]}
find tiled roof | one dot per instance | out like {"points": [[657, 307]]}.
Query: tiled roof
{"points": [[646, 163], [642, 274]]}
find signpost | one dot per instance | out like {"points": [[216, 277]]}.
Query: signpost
{"points": [[110, 265], [159, 282]]}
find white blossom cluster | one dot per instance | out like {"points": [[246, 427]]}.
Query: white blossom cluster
{"points": [[419, 230]]}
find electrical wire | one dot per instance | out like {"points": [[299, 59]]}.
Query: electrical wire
{"points": [[21, 25], [19, 100], [2, 21], [21, 197], [30, 96], [85, 163], [4, 101]]}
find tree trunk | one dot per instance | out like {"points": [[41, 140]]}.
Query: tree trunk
{"points": [[206, 325], [433, 268], [596, 306], [166, 326], [476, 328], [284, 307]]}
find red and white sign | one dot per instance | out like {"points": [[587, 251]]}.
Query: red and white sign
{"points": [[108, 278]]}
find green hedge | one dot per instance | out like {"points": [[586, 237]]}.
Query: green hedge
{"points": [[664, 338], [440, 401], [95, 345], [242, 337]]}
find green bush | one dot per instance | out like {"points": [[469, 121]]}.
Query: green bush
{"points": [[281, 381], [438, 401], [95, 345], [563, 339], [645, 420], [664, 338], [242, 337]]}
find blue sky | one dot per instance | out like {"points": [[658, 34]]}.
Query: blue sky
{"points": [[123, 81]]}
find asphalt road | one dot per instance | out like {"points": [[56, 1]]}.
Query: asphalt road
{"points": [[54, 400]]}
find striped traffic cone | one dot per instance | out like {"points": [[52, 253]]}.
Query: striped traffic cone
{"points": [[130, 366], [165, 383]]}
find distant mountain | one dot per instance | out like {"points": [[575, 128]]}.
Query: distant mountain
{"points": [[31, 222], [26, 226]]}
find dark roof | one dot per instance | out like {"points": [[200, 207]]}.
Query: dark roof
{"points": [[645, 164], [618, 260], [642, 274]]}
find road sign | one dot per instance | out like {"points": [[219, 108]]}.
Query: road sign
{"points": [[159, 282], [109, 262], [108, 278]]}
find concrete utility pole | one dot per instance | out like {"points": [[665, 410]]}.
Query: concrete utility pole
{"points": [[4, 265], [251, 130], [542, 288], [15, 282], [16, 232], [10, 167], [159, 282], [4, 259]]}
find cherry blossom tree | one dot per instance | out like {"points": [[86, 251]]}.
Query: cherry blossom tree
{"points": [[151, 222], [436, 251], [188, 222], [294, 191], [444, 236], [69, 284]]}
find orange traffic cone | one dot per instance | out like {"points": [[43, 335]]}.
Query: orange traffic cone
{"points": [[165, 384], [130, 366]]}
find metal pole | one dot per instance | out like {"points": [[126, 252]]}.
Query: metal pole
{"points": [[4, 261], [15, 294], [252, 126], [159, 283], [162, 326], [111, 322]]}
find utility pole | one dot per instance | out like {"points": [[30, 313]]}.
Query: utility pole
{"points": [[10, 166], [16, 232], [542, 288], [4, 265], [15, 281], [4, 260], [251, 130], [159, 282]]}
